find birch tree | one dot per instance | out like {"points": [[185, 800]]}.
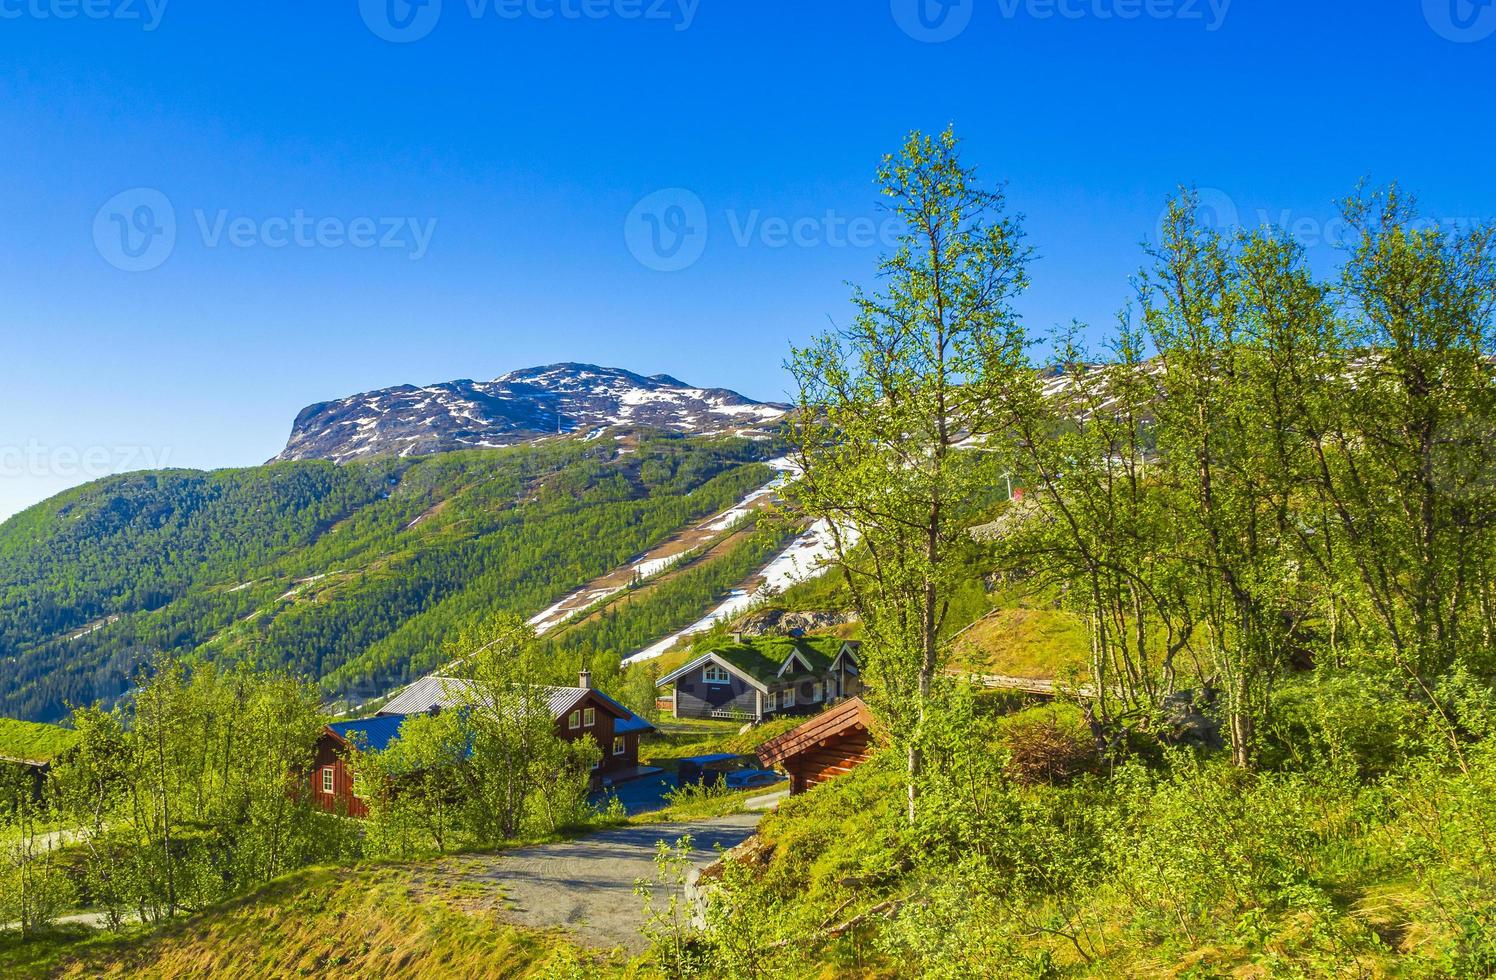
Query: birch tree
{"points": [[884, 406]]}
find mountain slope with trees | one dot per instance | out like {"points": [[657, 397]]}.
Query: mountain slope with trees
{"points": [[353, 574]]}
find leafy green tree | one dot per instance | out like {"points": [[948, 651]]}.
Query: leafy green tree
{"points": [[885, 406], [33, 886], [197, 794], [414, 787]]}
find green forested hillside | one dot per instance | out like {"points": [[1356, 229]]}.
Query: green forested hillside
{"points": [[354, 574]]}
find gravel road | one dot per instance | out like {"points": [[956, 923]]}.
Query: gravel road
{"points": [[586, 886]]}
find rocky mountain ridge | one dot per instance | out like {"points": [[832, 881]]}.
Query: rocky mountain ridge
{"points": [[581, 400]]}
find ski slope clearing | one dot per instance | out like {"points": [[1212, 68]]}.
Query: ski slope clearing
{"points": [[662, 558], [805, 557]]}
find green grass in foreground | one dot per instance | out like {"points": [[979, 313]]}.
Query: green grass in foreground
{"points": [[367, 920]]}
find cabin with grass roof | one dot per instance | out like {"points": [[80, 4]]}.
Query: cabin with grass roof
{"points": [[765, 676], [27, 752]]}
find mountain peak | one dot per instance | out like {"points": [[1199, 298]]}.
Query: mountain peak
{"points": [[521, 406]]}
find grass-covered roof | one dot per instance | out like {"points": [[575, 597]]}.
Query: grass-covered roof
{"points": [[34, 742], [761, 657]]}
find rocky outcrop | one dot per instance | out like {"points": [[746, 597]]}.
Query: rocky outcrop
{"points": [[779, 622]]}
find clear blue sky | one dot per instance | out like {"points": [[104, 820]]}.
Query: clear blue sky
{"points": [[529, 139]]}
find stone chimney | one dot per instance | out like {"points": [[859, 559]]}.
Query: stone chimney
{"points": [[585, 679]]}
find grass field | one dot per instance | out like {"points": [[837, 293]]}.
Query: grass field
{"points": [[32, 741], [1022, 642]]}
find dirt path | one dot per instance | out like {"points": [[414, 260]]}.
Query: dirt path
{"points": [[586, 886]]}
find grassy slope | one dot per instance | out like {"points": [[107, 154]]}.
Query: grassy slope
{"points": [[1019, 642], [33, 741], [831, 852], [322, 922]]}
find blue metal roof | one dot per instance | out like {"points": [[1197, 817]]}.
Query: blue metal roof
{"points": [[633, 723], [630, 723], [370, 734], [376, 734]]}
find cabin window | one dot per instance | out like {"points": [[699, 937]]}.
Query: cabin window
{"points": [[788, 700], [589, 717], [327, 779], [574, 720], [620, 746], [773, 700], [715, 675]]}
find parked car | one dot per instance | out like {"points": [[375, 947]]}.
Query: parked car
{"points": [[733, 771], [752, 778]]}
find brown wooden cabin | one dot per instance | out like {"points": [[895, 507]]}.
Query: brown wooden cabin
{"points": [[829, 745], [27, 776], [578, 711]]}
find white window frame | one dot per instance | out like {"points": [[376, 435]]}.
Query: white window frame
{"points": [[714, 674], [574, 720], [788, 698], [773, 700], [620, 745], [589, 717], [328, 780]]}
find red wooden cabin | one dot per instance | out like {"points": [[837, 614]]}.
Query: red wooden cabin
{"points": [[578, 712]]}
